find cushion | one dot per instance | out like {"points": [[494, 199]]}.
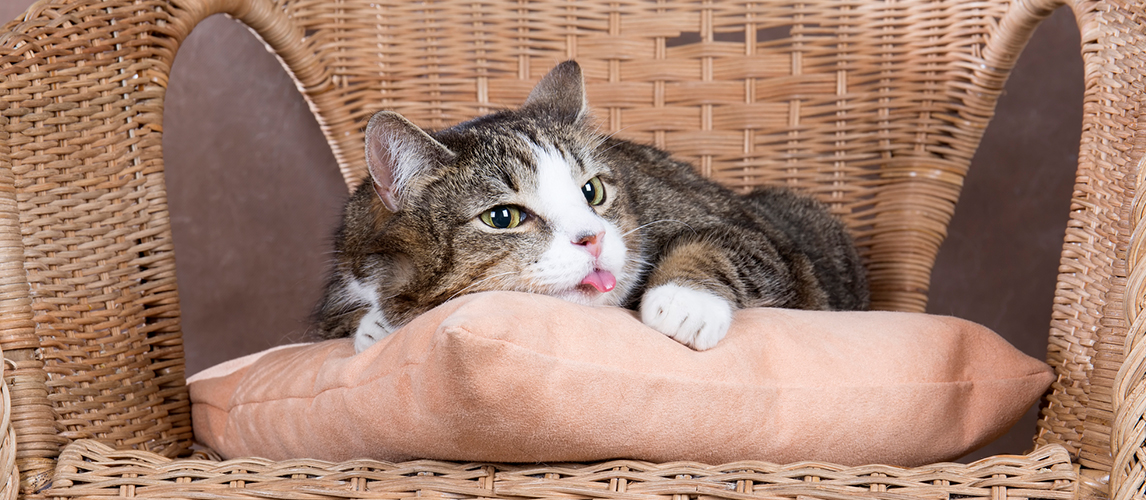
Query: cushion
{"points": [[513, 377]]}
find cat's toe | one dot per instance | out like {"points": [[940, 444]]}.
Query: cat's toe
{"points": [[371, 328], [695, 318]]}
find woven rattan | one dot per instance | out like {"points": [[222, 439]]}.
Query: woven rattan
{"points": [[875, 106], [89, 469]]}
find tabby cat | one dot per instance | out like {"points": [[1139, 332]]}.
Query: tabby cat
{"points": [[538, 200]]}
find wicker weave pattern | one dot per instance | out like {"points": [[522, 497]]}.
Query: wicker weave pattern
{"points": [[1089, 329], [25, 376], [857, 105], [9, 475], [93, 220], [1130, 381], [881, 123], [874, 106], [90, 469], [1120, 357]]}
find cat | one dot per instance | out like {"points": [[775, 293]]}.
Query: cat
{"points": [[537, 200]]}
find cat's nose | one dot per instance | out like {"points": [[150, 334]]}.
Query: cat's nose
{"points": [[591, 242]]}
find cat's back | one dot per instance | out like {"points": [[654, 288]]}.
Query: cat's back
{"points": [[823, 238], [670, 197], [662, 186]]}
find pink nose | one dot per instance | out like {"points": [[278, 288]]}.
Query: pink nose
{"points": [[591, 242]]}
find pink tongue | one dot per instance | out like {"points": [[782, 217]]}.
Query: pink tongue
{"points": [[603, 281]]}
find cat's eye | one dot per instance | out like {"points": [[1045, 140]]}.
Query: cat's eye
{"points": [[594, 191], [503, 217]]}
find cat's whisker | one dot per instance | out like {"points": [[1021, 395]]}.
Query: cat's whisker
{"points": [[478, 282], [613, 133], [642, 226], [611, 147], [602, 138]]}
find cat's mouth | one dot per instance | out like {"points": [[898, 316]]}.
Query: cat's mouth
{"points": [[599, 281]]}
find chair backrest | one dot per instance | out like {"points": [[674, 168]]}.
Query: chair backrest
{"points": [[875, 107]]}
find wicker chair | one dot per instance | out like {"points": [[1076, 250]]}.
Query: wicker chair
{"points": [[874, 106]]}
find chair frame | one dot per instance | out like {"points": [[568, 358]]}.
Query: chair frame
{"points": [[95, 401]]}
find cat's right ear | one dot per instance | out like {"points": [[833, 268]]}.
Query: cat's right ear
{"points": [[399, 156], [560, 94]]}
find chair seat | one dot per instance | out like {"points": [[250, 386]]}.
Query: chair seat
{"points": [[89, 469]]}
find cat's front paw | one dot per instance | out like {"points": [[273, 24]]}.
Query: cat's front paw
{"points": [[371, 328], [695, 318]]}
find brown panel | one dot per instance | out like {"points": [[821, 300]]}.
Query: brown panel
{"points": [[254, 192]]}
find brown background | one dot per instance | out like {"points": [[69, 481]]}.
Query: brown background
{"points": [[254, 194]]}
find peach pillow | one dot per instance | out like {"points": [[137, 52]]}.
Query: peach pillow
{"points": [[512, 377]]}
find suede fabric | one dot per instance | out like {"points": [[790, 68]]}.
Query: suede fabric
{"points": [[512, 377]]}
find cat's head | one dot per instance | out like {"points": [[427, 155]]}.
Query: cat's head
{"points": [[517, 200]]}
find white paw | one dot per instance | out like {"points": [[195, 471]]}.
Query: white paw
{"points": [[371, 328], [695, 318]]}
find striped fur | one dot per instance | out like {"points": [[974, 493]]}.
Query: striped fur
{"points": [[682, 249]]}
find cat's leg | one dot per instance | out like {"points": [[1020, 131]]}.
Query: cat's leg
{"points": [[350, 308], [691, 294], [371, 328], [703, 276], [695, 318]]}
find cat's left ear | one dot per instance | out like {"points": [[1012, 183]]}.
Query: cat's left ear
{"points": [[401, 157], [560, 94]]}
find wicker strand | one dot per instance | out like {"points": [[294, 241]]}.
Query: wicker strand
{"points": [[1128, 432], [9, 475], [693, 100], [1015, 30], [1088, 323], [90, 469], [31, 412], [92, 326], [1099, 371]]}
